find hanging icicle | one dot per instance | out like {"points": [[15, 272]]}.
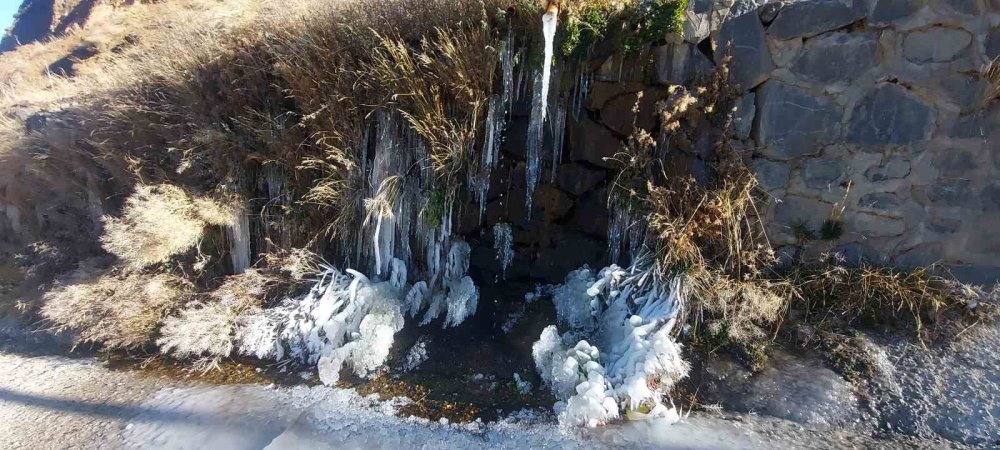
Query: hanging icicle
{"points": [[536, 135], [239, 242]]}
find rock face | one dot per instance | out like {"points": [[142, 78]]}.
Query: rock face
{"points": [[794, 122], [890, 115], [936, 44], [40, 19], [743, 40], [836, 58], [809, 18]]}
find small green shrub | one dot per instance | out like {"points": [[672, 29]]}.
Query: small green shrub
{"points": [[831, 230]]}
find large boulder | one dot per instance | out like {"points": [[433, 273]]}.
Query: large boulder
{"points": [[743, 40], [890, 115], [702, 17], [810, 18], [680, 63], [794, 122]]}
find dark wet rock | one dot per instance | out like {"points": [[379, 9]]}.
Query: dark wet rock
{"points": [[744, 114], [592, 142], [794, 122], [885, 201], [809, 18], [822, 173], [577, 178], [619, 113], [890, 115], [954, 161], [889, 12], [836, 58], [743, 39], [771, 175], [872, 225], [991, 197], [946, 192], [895, 168], [993, 44], [938, 44]]}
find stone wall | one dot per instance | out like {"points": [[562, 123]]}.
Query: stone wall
{"points": [[877, 105], [880, 104]]}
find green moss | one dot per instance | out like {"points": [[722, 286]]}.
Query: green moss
{"points": [[657, 18], [831, 230], [583, 27], [652, 22], [436, 208]]}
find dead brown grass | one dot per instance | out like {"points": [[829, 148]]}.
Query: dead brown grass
{"points": [[925, 300]]}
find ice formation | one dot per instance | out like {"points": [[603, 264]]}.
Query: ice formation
{"points": [[558, 129], [523, 387], [630, 315], [239, 242], [344, 319], [536, 137], [580, 92], [625, 230], [348, 319], [458, 297], [497, 115], [417, 355], [549, 22], [503, 243], [576, 378]]}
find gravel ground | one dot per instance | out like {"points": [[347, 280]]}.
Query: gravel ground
{"points": [[51, 401]]}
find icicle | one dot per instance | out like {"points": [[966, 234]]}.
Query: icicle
{"points": [[558, 128], [239, 242], [503, 243], [536, 134], [582, 91], [549, 22], [625, 231]]}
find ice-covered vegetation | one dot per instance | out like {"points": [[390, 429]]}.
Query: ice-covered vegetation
{"points": [[618, 350], [116, 310]]}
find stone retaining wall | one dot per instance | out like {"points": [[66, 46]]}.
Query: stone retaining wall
{"points": [[883, 97]]}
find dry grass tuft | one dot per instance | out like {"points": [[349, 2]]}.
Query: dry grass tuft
{"points": [[924, 300], [706, 229], [160, 222], [991, 73], [116, 310], [441, 89]]}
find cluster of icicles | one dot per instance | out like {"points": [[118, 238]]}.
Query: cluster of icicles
{"points": [[616, 352], [347, 319]]}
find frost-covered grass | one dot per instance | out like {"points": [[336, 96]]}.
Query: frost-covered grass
{"points": [[160, 222], [118, 311], [618, 353], [349, 320]]}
